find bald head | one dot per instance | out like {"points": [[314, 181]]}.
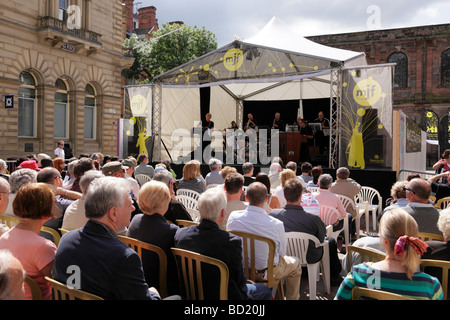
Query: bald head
{"points": [[256, 194], [418, 190]]}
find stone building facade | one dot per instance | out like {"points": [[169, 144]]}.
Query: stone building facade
{"points": [[422, 73], [61, 62]]}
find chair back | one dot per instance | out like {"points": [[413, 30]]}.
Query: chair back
{"points": [[190, 272], [188, 201], [369, 194], [312, 189], [442, 203], [194, 213], [190, 193], [329, 215], [36, 292], [185, 223], [249, 254], [140, 247], [142, 178], [358, 292], [212, 185], [348, 203], [297, 244], [63, 231], [366, 255], [10, 221], [426, 236], [63, 292], [444, 267], [55, 235]]}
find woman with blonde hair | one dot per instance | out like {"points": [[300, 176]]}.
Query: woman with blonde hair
{"points": [[192, 178], [397, 273], [151, 227], [286, 174]]}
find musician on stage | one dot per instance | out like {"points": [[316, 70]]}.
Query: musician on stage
{"points": [[307, 131], [322, 139], [278, 123], [207, 126], [207, 123], [251, 124]]}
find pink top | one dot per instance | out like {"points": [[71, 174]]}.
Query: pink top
{"points": [[34, 252], [329, 199]]}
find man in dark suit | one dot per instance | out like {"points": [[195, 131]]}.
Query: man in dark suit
{"points": [[105, 266], [207, 239], [296, 219]]}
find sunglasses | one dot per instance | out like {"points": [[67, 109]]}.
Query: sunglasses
{"points": [[405, 188]]}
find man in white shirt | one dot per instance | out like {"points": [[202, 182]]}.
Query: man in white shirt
{"points": [[59, 151], [255, 220]]}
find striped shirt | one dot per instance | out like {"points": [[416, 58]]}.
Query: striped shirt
{"points": [[422, 286]]}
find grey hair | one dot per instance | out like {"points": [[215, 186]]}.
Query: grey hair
{"points": [[325, 181], [211, 203], [6, 257], [87, 179], [21, 177], [214, 164], [444, 223], [164, 176], [247, 167], [3, 164], [103, 194]]}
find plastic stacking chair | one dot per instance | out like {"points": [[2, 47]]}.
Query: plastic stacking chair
{"points": [[442, 203], [187, 192], [369, 194], [297, 244], [248, 245], [442, 267], [63, 292], [329, 216], [190, 272], [185, 223], [140, 247], [191, 205], [55, 235], [142, 178], [365, 254], [362, 208], [36, 292], [10, 221], [358, 292], [426, 236]]}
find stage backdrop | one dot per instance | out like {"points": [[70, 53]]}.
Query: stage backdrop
{"points": [[366, 118]]}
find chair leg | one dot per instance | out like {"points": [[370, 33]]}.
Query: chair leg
{"points": [[312, 277]]}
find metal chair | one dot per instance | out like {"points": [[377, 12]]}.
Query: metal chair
{"points": [[139, 247], [190, 272], [297, 244], [63, 292], [358, 292]]}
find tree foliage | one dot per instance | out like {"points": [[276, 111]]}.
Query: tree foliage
{"points": [[171, 46]]}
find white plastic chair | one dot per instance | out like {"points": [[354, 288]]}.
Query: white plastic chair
{"points": [[142, 178], [368, 194], [312, 189], [212, 185], [188, 192], [350, 205], [297, 244], [328, 216], [362, 208]]}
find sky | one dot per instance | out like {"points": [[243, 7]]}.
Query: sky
{"points": [[244, 18]]}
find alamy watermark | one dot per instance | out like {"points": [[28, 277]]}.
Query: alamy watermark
{"points": [[373, 22], [232, 146]]}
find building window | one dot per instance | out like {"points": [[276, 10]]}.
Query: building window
{"points": [[400, 70], [89, 113], [61, 111], [445, 67], [27, 106], [62, 13]]}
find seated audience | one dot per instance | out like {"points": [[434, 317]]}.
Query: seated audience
{"points": [[426, 215], [143, 167], [272, 201], [441, 189], [305, 169], [4, 170], [107, 267], [398, 271], [286, 174], [214, 176], [18, 179], [315, 174], [440, 250], [275, 175], [191, 177], [151, 227], [208, 239], [255, 220], [344, 185], [247, 170], [12, 275], [176, 210], [398, 195], [82, 165], [233, 190], [75, 217], [129, 173], [36, 253]]}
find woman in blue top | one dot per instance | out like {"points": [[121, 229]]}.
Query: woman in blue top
{"points": [[397, 273]]}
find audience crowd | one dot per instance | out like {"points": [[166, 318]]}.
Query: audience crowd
{"points": [[93, 201]]}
